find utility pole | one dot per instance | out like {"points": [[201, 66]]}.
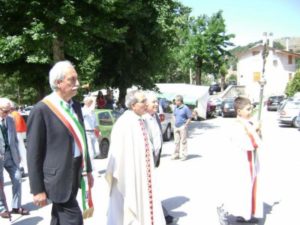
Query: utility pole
{"points": [[262, 82]]}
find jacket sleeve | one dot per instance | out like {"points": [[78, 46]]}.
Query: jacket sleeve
{"points": [[36, 148]]}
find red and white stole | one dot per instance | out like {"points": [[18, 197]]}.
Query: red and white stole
{"points": [[77, 131]]}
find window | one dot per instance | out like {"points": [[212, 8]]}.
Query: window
{"points": [[105, 119]]}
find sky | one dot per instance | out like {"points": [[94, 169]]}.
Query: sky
{"points": [[249, 19]]}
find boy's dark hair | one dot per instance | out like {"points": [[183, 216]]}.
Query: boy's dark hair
{"points": [[241, 102]]}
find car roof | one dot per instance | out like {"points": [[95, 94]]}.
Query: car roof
{"points": [[103, 110]]}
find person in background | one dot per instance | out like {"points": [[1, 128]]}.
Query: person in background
{"points": [[183, 116], [4, 211], [91, 127], [12, 157], [100, 100], [21, 129], [173, 105], [109, 98], [133, 191], [243, 199], [155, 133], [57, 155]]}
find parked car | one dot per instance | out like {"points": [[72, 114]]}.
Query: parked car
{"points": [[213, 107], [227, 108], [274, 102], [165, 114], [106, 119], [214, 88], [288, 112]]}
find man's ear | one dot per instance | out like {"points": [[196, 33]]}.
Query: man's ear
{"points": [[58, 82]]}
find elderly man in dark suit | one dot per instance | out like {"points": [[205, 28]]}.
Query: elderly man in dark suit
{"points": [[11, 158], [56, 149]]}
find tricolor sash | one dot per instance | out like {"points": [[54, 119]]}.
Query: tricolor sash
{"points": [[77, 131]]}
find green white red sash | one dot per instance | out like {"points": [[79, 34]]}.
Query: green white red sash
{"points": [[76, 129]]}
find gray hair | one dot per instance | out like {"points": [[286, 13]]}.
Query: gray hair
{"points": [[4, 102], [179, 98], [150, 95], [57, 72], [88, 99], [13, 105], [131, 99]]}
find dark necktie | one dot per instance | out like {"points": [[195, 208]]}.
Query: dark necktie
{"points": [[5, 135], [148, 168]]}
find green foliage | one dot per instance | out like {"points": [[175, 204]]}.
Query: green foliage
{"points": [[207, 45], [11, 88], [112, 43], [298, 63], [116, 43], [278, 45], [232, 78], [294, 85]]}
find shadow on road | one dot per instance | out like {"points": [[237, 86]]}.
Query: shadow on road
{"points": [[30, 206], [28, 221], [267, 210], [191, 156], [173, 203], [196, 125]]}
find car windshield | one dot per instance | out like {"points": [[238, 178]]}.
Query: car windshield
{"points": [[115, 114]]}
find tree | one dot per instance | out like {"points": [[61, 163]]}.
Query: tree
{"points": [[143, 51], [174, 64], [112, 43], [294, 85], [35, 34], [207, 44]]}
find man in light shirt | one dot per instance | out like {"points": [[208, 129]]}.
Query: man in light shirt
{"points": [[91, 127]]}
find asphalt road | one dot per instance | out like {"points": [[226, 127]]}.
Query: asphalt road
{"points": [[191, 190]]}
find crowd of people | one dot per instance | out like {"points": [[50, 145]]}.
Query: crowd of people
{"points": [[62, 141]]}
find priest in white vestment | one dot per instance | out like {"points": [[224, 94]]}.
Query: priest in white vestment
{"points": [[134, 197]]}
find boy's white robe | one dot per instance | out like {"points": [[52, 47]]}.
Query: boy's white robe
{"points": [[238, 199], [127, 177]]}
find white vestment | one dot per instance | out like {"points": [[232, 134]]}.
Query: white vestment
{"points": [[242, 171], [127, 176]]}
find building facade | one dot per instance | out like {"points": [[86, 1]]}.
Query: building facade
{"points": [[280, 67]]}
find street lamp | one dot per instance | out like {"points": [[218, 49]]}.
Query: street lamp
{"points": [[262, 82]]}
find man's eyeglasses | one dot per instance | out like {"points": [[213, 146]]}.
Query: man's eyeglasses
{"points": [[5, 111]]}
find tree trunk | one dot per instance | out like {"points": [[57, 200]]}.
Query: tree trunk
{"points": [[58, 49], [122, 94], [222, 82], [198, 71]]}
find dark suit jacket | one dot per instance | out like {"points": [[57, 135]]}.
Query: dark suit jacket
{"points": [[13, 140], [49, 154]]}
